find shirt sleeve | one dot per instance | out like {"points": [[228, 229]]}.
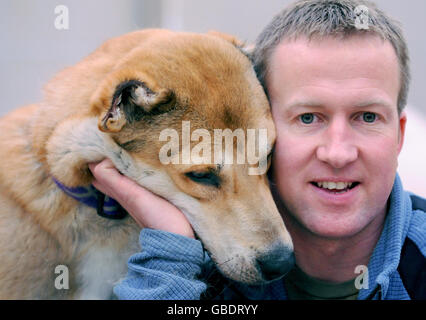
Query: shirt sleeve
{"points": [[167, 268]]}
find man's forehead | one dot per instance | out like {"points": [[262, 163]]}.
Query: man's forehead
{"points": [[351, 63], [329, 46]]}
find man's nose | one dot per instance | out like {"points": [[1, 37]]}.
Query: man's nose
{"points": [[338, 145]]}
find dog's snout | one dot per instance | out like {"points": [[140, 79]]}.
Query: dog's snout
{"points": [[275, 263]]}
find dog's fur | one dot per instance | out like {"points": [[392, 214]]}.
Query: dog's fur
{"points": [[83, 118]]}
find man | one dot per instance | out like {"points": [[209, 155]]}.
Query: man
{"points": [[337, 89]]}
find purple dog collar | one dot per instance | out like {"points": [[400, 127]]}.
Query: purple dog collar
{"points": [[106, 207]]}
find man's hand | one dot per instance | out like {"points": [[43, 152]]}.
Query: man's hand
{"points": [[148, 209]]}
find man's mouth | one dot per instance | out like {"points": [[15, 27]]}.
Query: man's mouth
{"points": [[338, 187]]}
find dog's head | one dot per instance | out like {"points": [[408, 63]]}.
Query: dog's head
{"points": [[166, 104]]}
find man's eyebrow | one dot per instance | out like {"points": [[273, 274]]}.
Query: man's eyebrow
{"points": [[319, 105], [374, 102], [301, 104]]}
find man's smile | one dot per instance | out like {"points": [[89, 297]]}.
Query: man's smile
{"points": [[335, 191], [337, 186]]}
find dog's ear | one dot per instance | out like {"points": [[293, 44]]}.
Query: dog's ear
{"points": [[245, 48], [131, 101], [230, 38]]}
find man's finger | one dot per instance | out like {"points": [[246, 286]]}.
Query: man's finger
{"points": [[114, 184]]}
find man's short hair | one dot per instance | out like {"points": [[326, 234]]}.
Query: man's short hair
{"points": [[336, 18]]}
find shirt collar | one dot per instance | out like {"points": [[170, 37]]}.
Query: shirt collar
{"points": [[385, 258]]}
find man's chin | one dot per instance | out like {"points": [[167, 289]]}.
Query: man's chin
{"points": [[336, 228]]}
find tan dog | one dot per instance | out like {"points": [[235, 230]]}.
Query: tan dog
{"points": [[114, 104]]}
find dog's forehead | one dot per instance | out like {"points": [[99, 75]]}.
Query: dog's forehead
{"points": [[190, 61], [214, 83]]}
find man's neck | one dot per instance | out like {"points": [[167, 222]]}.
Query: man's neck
{"points": [[330, 259]]}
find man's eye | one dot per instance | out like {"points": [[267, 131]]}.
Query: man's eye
{"points": [[307, 118], [206, 178], [369, 117]]}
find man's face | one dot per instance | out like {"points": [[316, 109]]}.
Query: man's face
{"points": [[334, 103]]}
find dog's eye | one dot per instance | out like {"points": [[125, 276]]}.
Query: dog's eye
{"points": [[207, 178]]}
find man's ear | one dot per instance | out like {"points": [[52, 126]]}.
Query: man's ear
{"points": [[401, 128], [131, 101]]}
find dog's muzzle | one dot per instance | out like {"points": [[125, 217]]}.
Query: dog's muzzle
{"points": [[276, 262]]}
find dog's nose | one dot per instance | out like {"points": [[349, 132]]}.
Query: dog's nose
{"points": [[276, 262]]}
